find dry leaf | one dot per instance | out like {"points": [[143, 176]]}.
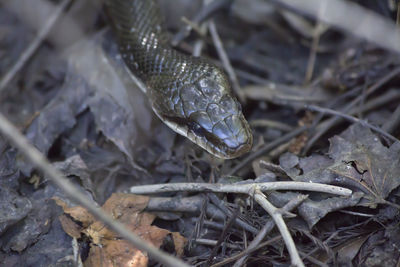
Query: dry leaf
{"points": [[361, 158], [356, 159], [108, 248], [70, 227]]}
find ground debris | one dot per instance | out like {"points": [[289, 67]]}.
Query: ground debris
{"points": [[107, 247]]}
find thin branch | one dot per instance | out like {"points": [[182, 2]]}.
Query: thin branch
{"points": [[39, 160], [239, 188], [327, 125], [225, 61], [280, 223], [352, 119], [269, 226], [247, 251], [351, 17], [205, 12], [268, 147], [34, 45], [318, 30]]}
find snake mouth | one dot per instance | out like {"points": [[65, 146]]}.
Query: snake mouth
{"points": [[225, 150], [224, 145]]}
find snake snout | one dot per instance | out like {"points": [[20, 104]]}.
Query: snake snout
{"points": [[235, 136]]}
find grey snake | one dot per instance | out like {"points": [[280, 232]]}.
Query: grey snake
{"points": [[189, 94]]}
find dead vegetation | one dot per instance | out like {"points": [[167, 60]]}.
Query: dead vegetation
{"points": [[318, 82]]}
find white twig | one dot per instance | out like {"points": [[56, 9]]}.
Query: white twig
{"points": [[276, 215], [38, 159], [240, 188], [268, 227]]}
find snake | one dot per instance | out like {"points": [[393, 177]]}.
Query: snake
{"points": [[191, 95]]}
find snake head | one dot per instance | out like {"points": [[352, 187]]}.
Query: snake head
{"points": [[206, 112]]}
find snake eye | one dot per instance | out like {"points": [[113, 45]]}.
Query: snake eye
{"points": [[197, 129]]}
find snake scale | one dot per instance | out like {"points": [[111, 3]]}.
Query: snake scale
{"points": [[189, 94]]}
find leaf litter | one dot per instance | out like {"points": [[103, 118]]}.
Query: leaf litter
{"points": [[106, 247], [356, 159], [78, 112]]}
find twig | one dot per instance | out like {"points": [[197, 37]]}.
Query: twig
{"points": [[313, 260], [38, 159], [209, 242], [393, 122], [269, 226], [239, 188], [280, 223], [268, 147], [34, 45], [318, 30], [352, 18], [225, 61], [247, 251], [352, 119], [204, 13], [271, 124], [352, 104], [219, 203], [223, 235]]}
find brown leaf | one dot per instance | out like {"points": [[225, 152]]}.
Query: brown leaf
{"points": [[116, 253], [70, 227], [77, 213], [107, 247]]}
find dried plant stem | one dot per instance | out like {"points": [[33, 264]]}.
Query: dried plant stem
{"points": [[268, 147], [276, 215], [352, 119], [39, 160], [247, 251], [34, 45], [268, 227], [225, 61], [239, 188]]}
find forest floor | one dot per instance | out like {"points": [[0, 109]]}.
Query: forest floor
{"points": [[319, 85]]}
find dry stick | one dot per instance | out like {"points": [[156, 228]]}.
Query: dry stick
{"points": [[369, 91], [373, 103], [398, 15], [313, 52], [313, 260], [393, 122], [225, 61], [209, 242], [39, 160], [204, 13], [223, 235], [352, 18], [239, 188], [34, 45], [269, 226], [352, 119], [276, 215], [271, 124], [247, 251], [268, 147], [219, 203]]}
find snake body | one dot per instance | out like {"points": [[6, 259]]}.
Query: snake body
{"points": [[189, 94]]}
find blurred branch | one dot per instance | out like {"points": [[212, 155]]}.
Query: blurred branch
{"points": [[34, 45], [352, 18], [38, 159]]}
